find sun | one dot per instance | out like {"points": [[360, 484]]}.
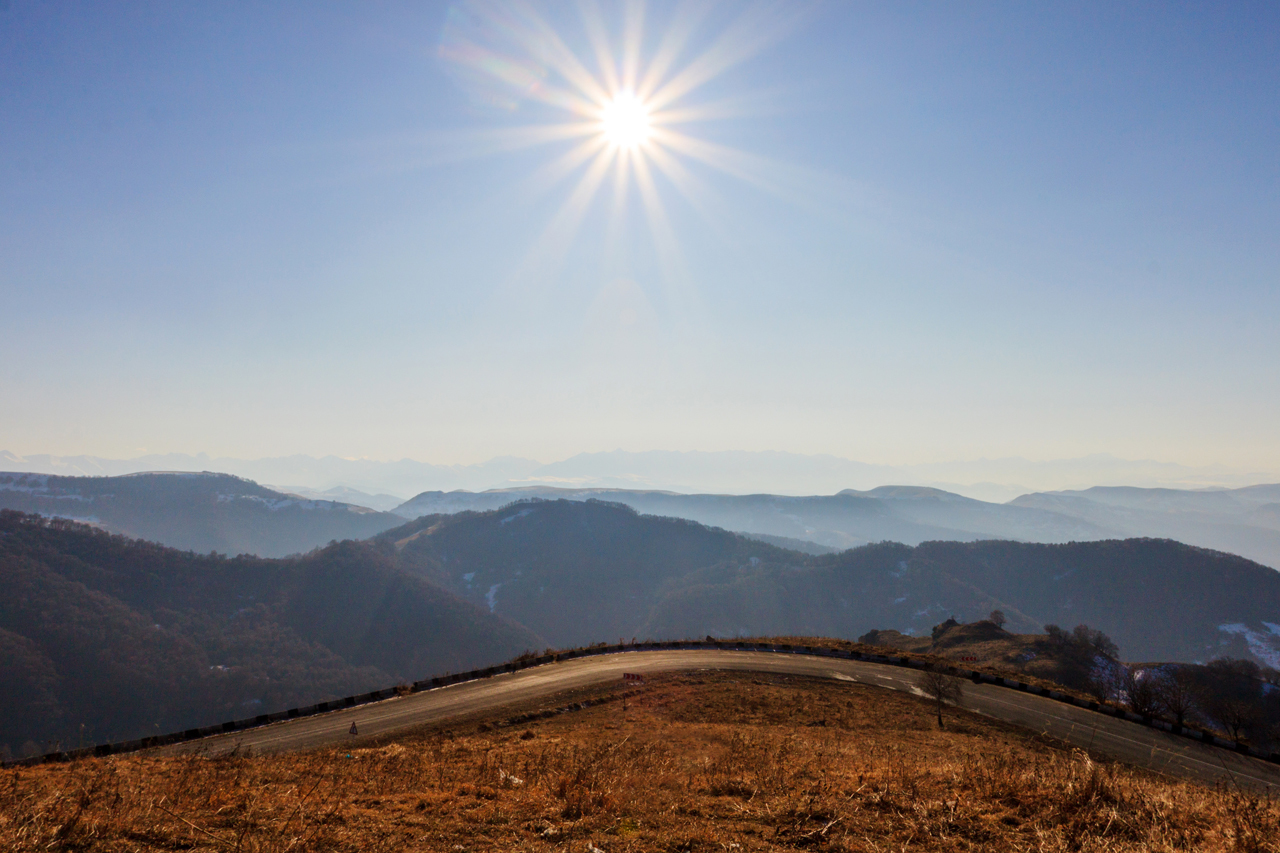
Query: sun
{"points": [[615, 103], [624, 121]]}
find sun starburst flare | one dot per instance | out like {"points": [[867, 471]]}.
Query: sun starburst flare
{"points": [[620, 104], [624, 121]]}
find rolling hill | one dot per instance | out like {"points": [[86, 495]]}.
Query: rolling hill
{"points": [[573, 572], [200, 512]]}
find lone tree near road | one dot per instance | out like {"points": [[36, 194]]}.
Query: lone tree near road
{"points": [[1176, 692], [942, 688]]}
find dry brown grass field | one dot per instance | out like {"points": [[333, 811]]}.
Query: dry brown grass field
{"points": [[692, 762]]}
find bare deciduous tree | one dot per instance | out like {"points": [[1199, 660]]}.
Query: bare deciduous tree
{"points": [[1141, 691], [997, 618], [1231, 695], [942, 688], [1176, 692]]}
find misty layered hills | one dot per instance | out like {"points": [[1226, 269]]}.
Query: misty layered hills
{"points": [[910, 514], [1243, 521], [576, 571], [199, 512], [743, 472], [214, 512], [130, 638], [400, 477], [1240, 521], [688, 472], [343, 494]]}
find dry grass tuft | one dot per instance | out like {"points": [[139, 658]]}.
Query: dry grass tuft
{"points": [[694, 764]]}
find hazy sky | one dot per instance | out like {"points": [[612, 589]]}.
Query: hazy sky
{"points": [[903, 233]]}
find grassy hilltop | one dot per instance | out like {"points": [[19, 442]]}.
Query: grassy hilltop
{"points": [[704, 762]]}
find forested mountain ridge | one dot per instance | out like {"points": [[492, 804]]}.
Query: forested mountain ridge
{"points": [[1158, 599], [130, 638], [573, 572], [194, 511], [585, 571]]}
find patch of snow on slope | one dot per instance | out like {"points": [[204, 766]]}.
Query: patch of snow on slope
{"points": [[275, 504], [492, 596], [1260, 645], [521, 514]]}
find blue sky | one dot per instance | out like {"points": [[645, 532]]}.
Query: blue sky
{"points": [[949, 231]]}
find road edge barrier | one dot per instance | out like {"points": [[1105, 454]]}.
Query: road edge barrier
{"points": [[450, 679]]}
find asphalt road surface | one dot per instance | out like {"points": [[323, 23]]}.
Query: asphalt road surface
{"points": [[1099, 734]]}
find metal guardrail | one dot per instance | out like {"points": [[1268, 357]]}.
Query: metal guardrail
{"points": [[597, 651]]}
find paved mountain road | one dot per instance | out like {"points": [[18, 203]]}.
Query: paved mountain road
{"points": [[1115, 738]]}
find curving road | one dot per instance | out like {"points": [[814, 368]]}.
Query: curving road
{"points": [[1099, 734]]}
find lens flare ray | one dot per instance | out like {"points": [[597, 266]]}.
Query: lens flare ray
{"points": [[618, 111]]}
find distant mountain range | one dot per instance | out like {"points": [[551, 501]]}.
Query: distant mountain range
{"points": [[721, 472], [403, 477], [217, 512], [1240, 521], [343, 494], [906, 514], [129, 638], [200, 512], [1243, 521]]}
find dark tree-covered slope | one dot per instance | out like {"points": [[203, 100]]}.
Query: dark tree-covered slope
{"points": [[586, 571], [574, 572], [1158, 599], [128, 638]]}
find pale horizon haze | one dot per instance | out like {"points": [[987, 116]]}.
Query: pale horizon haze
{"points": [[905, 235]]}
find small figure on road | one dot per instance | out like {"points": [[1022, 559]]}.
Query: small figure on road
{"points": [[353, 728]]}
